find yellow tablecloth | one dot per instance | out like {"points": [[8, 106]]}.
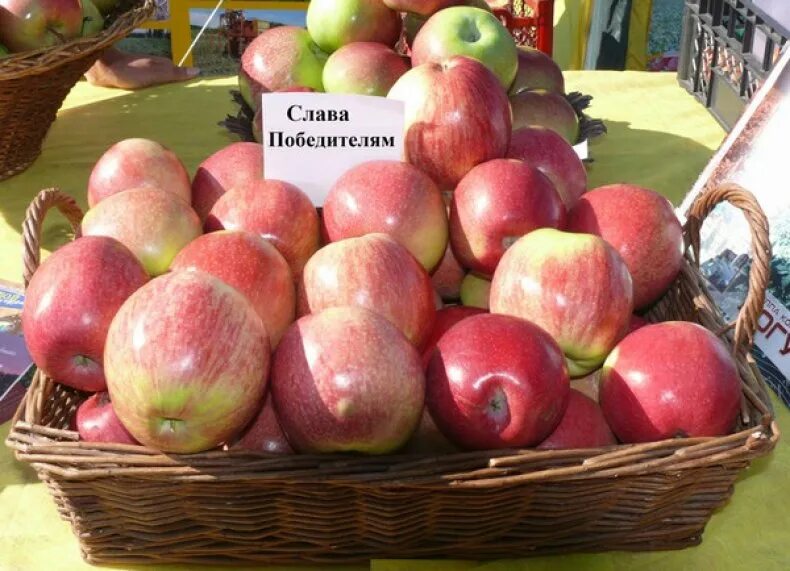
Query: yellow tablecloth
{"points": [[658, 136]]}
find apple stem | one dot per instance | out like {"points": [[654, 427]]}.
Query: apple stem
{"points": [[83, 361], [508, 241], [58, 35], [498, 407]]}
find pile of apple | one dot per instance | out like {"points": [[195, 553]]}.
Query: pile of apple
{"points": [[461, 61], [227, 311], [34, 24]]}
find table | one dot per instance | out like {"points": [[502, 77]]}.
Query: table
{"points": [[658, 137]]}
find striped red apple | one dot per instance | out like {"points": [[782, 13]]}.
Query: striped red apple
{"points": [[575, 286], [345, 379], [187, 362], [374, 272]]}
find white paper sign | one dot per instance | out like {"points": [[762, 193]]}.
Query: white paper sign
{"points": [[582, 150], [311, 139]]}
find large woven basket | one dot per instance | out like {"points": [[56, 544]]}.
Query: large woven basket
{"points": [[34, 84], [130, 504]]}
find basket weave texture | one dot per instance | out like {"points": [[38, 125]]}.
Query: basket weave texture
{"points": [[129, 504], [34, 84]]}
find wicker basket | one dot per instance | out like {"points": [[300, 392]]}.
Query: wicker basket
{"points": [[34, 84], [130, 504]]}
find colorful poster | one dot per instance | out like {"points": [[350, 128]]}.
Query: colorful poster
{"points": [[754, 156], [16, 366]]}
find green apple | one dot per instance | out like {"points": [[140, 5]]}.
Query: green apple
{"points": [[475, 291], [471, 32], [414, 21], [105, 6], [280, 58], [92, 21], [335, 23], [3, 51], [536, 70]]}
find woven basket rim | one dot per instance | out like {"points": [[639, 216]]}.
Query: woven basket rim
{"points": [[60, 453], [34, 62]]}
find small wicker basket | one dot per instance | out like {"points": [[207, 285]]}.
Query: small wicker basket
{"points": [[130, 504], [34, 84]]}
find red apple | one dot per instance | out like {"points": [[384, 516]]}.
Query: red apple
{"points": [[346, 379], [70, 303], [537, 70], [264, 433], [238, 164], [336, 23], [393, 198], [33, 24], [447, 277], [280, 57], [276, 210], [541, 108], [494, 205], [457, 116], [364, 68], [496, 381], [445, 319], [428, 439], [421, 7], [253, 266], [374, 272], [575, 286], [138, 163], [427, 8], [670, 379], [642, 227], [554, 157], [154, 225], [97, 422], [187, 361], [475, 291], [582, 426]]}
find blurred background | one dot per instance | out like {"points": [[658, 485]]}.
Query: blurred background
{"points": [[588, 34]]}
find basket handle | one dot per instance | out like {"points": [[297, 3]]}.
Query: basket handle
{"points": [[34, 218], [760, 272]]}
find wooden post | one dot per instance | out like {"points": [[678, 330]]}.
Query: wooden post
{"points": [[180, 31]]}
